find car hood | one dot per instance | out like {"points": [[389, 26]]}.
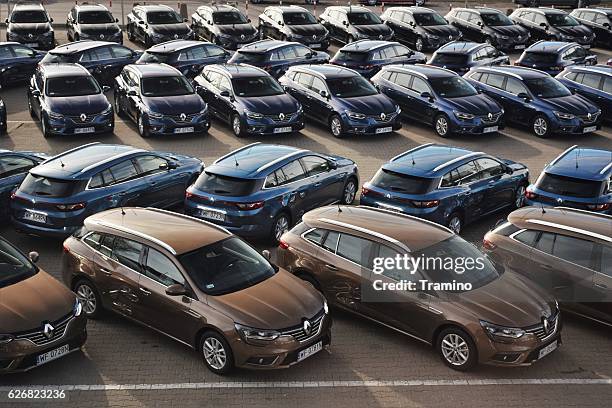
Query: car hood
{"points": [[510, 300], [174, 105], [441, 30], [373, 29], [369, 105], [165, 29], [575, 31], [510, 31], [268, 105], [97, 28], [307, 29], [279, 302], [237, 29], [574, 104], [27, 304], [31, 27], [476, 104], [75, 105]]}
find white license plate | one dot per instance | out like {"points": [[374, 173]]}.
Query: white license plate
{"points": [[212, 215], [285, 129], [184, 130], [389, 207], [52, 355], [35, 216], [384, 130], [490, 129], [315, 45], [587, 46], [548, 349], [589, 129], [519, 47], [33, 45], [84, 130], [315, 348]]}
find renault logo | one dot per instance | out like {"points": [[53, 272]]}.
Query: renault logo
{"points": [[30, 35], [183, 116], [176, 36], [589, 116], [450, 38], [380, 37], [242, 37], [585, 37], [314, 36], [101, 36], [387, 195], [559, 200], [83, 117], [48, 330], [490, 116], [307, 327], [281, 116], [546, 325], [383, 116]]}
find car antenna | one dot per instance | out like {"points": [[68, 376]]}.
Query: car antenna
{"points": [[236, 161], [339, 208], [122, 211], [576, 156], [412, 157], [62, 163], [543, 210]]}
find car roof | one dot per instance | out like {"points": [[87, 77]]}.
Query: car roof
{"points": [[412, 9], [423, 70], [541, 10], [177, 233], [430, 160], [410, 232], [154, 7], [348, 8], [550, 46], [153, 70], [286, 9], [367, 45], [86, 7], [600, 10], [326, 71], [239, 70], [583, 162], [513, 70], [220, 7], [175, 45], [28, 6], [600, 69], [263, 46], [569, 221], [63, 70], [78, 46], [478, 9], [460, 47]]}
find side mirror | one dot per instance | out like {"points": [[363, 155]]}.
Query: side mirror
{"points": [[164, 166], [266, 254], [33, 256], [333, 165], [36, 93], [105, 88], [345, 23], [131, 92], [426, 95], [50, 20], [140, 22], [543, 25], [323, 93], [280, 23], [176, 290], [199, 88], [309, 55], [6, 21], [185, 20], [248, 20], [225, 93], [116, 20], [509, 170], [524, 96]]}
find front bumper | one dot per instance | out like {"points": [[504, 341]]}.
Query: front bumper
{"points": [[172, 125], [524, 354], [111, 37], [476, 126], [39, 41], [574, 126], [272, 125], [371, 125], [94, 124]]}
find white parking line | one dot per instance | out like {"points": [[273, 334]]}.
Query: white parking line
{"points": [[318, 384]]}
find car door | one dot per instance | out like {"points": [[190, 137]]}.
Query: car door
{"points": [[223, 98], [421, 100], [396, 87], [24, 63], [299, 88], [37, 83], [13, 169], [539, 26], [120, 57], [70, 23], [603, 29], [166, 183], [267, 23], [500, 186], [406, 26], [602, 284], [98, 60], [326, 184], [297, 190], [133, 95], [516, 109], [474, 27], [320, 96], [472, 199], [125, 186]]}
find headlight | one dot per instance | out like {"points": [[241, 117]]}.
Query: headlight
{"points": [[563, 115], [6, 338], [253, 115], [55, 115], [78, 307], [48, 33], [155, 115], [299, 111], [250, 334], [504, 37], [108, 110], [355, 115], [325, 307], [494, 331], [433, 37], [397, 109], [463, 115]]}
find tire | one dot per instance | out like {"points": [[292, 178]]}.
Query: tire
{"points": [[442, 125], [455, 223], [118, 108], [143, 130], [216, 353], [30, 108], [237, 125], [519, 197], [350, 39], [488, 40], [45, 127], [87, 292], [418, 44], [349, 192], [280, 225], [335, 126], [130, 34], [147, 42], [457, 349], [540, 126]]}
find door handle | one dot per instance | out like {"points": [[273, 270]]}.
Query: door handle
{"points": [[146, 292], [153, 183], [547, 267], [317, 184], [193, 313], [331, 267], [105, 271], [492, 181], [601, 286]]}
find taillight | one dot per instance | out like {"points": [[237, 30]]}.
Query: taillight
{"points": [[426, 204], [188, 194], [488, 244], [13, 195], [66, 249], [250, 206], [70, 207], [530, 195], [283, 245], [367, 192], [598, 207]]}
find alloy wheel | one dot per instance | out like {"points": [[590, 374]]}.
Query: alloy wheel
{"points": [[540, 127], [418, 45], [350, 190], [214, 353], [519, 198], [442, 126], [454, 224], [455, 349], [336, 126], [281, 226], [236, 125], [88, 297]]}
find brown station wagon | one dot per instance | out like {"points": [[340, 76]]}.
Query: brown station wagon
{"points": [[503, 319], [567, 251], [40, 319], [196, 283]]}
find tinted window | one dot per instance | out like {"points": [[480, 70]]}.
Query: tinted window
{"points": [[363, 18], [606, 261], [331, 241], [123, 171], [256, 86], [452, 87], [95, 17], [533, 57], [495, 80], [156, 57], [355, 249], [127, 253], [106, 246], [401, 183], [121, 52], [490, 168], [547, 87], [93, 240], [249, 57], [14, 266], [591, 80], [290, 172], [561, 20], [514, 86], [351, 56], [316, 236], [166, 86], [429, 19], [11, 165], [223, 185], [163, 17], [47, 187], [150, 164], [161, 269], [351, 87], [569, 186], [300, 18], [419, 86], [441, 58], [315, 165], [495, 19], [467, 173], [575, 250], [72, 86], [228, 17], [29, 16], [527, 237]]}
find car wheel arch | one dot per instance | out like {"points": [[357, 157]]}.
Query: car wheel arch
{"points": [[451, 324], [207, 327], [308, 276]]}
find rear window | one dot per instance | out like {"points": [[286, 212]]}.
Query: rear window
{"points": [[51, 58], [402, 183], [352, 56], [539, 58], [47, 187], [449, 59], [249, 57], [226, 186], [153, 57], [569, 186]]}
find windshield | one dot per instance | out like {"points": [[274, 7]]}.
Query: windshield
{"points": [[569, 186], [72, 86], [14, 266], [363, 18], [495, 19], [531, 58], [47, 187], [429, 19], [452, 87], [441, 58], [256, 86], [163, 17], [561, 20], [351, 87], [224, 185], [95, 17], [51, 58], [154, 57], [401, 183], [229, 17], [226, 266], [249, 57], [547, 87], [166, 86], [351, 56], [29, 16], [301, 18]]}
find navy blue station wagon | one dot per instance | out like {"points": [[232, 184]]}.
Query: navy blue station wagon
{"points": [[14, 166]]}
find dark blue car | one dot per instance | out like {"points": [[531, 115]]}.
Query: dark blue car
{"points": [[580, 177], [160, 100], [449, 185], [58, 194], [440, 98], [250, 100], [553, 57], [594, 83], [460, 56], [342, 99], [3, 124], [535, 98], [276, 56], [261, 190], [14, 166], [368, 56], [187, 56], [17, 62]]}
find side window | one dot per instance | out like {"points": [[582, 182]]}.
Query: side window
{"points": [[491, 52], [385, 252], [389, 52], [224, 84], [607, 86], [600, 19], [277, 55], [315, 236], [403, 79], [290, 52], [514, 86], [378, 55], [305, 80], [123, 171], [490, 168], [401, 51], [527, 237], [355, 249], [161, 269], [450, 179], [121, 52], [331, 241], [539, 19], [150, 164], [575, 250], [496, 81], [315, 165], [106, 245], [271, 180], [213, 51], [127, 253], [300, 51], [21, 51], [476, 76], [480, 55], [104, 178], [103, 53], [467, 173], [545, 242], [318, 85], [290, 172], [591, 80], [419, 86], [606, 260], [5, 53], [88, 56], [11, 165], [93, 240], [213, 78]]}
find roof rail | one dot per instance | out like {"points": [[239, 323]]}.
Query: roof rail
{"points": [[493, 69], [569, 149], [455, 160], [70, 151], [235, 151], [594, 214], [571, 229], [137, 233], [366, 231], [109, 159], [606, 168], [188, 217], [273, 162], [407, 152], [412, 217]]}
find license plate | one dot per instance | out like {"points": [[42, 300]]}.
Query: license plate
{"points": [[315, 45], [33, 45], [84, 130], [184, 130], [307, 352], [212, 215], [587, 46], [286, 129], [490, 129], [519, 47], [589, 129], [35, 216], [548, 349], [389, 207], [52, 355], [384, 130]]}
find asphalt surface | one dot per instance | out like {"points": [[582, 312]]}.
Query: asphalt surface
{"points": [[126, 365]]}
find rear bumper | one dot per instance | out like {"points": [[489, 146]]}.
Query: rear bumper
{"points": [[44, 231]]}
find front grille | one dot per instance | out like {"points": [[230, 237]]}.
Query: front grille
{"points": [[388, 117], [586, 119], [33, 31], [298, 331], [493, 119], [540, 332], [281, 117], [177, 118], [85, 119], [98, 33], [38, 336]]}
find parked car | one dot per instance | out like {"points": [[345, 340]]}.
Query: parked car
{"points": [[223, 25], [68, 100], [17, 63], [160, 100], [103, 59], [14, 167], [188, 56], [35, 332], [57, 195], [156, 24], [154, 271], [261, 190], [419, 27], [440, 98], [553, 3], [534, 98], [551, 24], [503, 320], [350, 23], [92, 22], [249, 100], [489, 25], [461, 56], [594, 83], [368, 56], [293, 23], [342, 99], [599, 20], [553, 57], [30, 24], [3, 121], [579, 177], [569, 253], [275, 57]]}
